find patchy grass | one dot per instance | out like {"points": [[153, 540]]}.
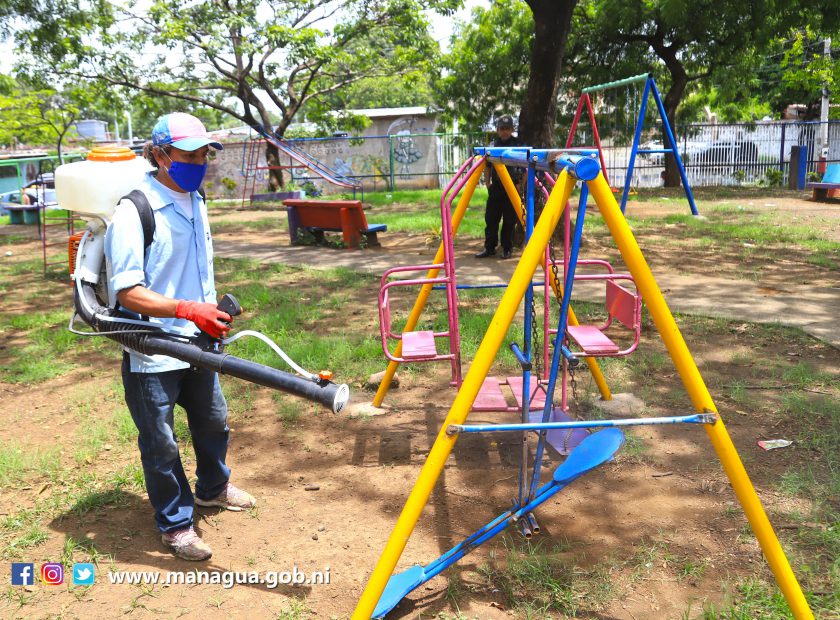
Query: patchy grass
{"points": [[536, 581]]}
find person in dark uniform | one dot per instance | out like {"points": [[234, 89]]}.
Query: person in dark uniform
{"points": [[499, 207]]}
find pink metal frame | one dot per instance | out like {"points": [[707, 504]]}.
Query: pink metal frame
{"points": [[452, 189], [584, 100]]}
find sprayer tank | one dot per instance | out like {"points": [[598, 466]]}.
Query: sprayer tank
{"points": [[94, 186]]}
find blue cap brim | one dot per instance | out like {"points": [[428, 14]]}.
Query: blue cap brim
{"points": [[192, 144]]}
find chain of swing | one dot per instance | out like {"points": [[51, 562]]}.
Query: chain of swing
{"points": [[536, 351]]}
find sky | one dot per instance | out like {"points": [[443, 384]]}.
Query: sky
{"points": [[441, 30]]}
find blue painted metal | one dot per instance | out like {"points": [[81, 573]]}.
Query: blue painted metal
{"points": [[570, 357], [521, 357], [581, 163], [637, 136], [528, 327], [592, 452], [667, 125], [442, 287], [696, 418], [561, 334]]}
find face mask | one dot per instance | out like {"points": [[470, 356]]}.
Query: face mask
{"points": [[186, 176]]}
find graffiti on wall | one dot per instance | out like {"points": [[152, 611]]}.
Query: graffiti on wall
{"points": [[404, 145]]}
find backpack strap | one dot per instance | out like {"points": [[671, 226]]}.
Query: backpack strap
{"points": [[147, 216]]}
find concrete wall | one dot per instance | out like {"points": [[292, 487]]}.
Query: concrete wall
{"points": [[390, 142]]}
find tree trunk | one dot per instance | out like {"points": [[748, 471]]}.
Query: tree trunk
{"points": [[670, 102], [552, 22], [679, 81], [275, 173]]}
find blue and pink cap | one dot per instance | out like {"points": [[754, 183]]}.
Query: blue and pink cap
{"points": [[183, 131]]}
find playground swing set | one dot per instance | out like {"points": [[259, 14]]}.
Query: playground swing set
{"points": [[535, 395], [621, 100]]}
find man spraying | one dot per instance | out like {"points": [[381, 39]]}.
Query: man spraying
{"points": [[171, 281]]}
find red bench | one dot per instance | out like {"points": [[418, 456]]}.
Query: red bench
{"points": [[344, 216]]}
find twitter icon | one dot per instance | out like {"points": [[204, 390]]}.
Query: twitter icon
{"points": [[83, 574]]}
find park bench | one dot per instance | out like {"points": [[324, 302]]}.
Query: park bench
{"points": [[23, 214], [830, 181], [344, 216]]}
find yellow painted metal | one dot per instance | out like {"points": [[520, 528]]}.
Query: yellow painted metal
{"points": [[700, 397], [426, 289], [513, 195], [465, 398]]}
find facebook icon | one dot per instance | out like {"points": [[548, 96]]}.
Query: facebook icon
{"points": [[23, 574]]}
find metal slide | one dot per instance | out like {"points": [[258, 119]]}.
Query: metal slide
{"points": [[309, 162]]}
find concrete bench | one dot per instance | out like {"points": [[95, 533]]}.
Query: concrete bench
{"points": [[23, 214], [830, 182]]}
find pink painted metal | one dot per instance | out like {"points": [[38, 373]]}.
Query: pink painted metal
{"points": [[584, 100], [591, 340], [536, 394], [621, 304], [418, 348], [491, 398]]}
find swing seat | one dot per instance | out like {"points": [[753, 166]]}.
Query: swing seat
{"points": [[419, 345], [592, 340], [623, 306]]}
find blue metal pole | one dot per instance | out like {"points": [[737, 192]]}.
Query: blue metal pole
{"points": [[637, 136], [582, 164], [782, 150], [697, 418], [440, 287], [667, 125], [561, 334], [529, 301]]}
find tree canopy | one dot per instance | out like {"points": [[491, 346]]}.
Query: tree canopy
{"points": [[253, 60], [486, 71]]}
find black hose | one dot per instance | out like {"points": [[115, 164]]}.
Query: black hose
{"points": [[157, 342]]}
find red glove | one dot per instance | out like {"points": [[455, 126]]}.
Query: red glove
{"points": [[206, 316]]}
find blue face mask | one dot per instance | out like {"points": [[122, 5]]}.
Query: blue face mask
{"points": [[187, 176]]}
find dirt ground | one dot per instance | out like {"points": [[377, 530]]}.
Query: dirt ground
{"points": [[330, 487]]}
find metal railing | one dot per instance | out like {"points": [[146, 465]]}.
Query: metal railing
{"points": [[717, 154], [714, 155]]}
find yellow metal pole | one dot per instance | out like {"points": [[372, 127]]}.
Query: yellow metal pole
{"points": [[700, 397], [463, 402], [513, 195], [426, 289]]}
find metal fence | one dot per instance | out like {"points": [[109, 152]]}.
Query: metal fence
{"points": [[714, 155], [717, 154]]}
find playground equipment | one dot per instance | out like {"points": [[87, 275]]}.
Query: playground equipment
{"points": [[384, 590], [419, 346], [110, 173], [620, 102], [297, 159]]}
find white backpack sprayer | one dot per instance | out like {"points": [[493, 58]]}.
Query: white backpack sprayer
{"points": [[92, 189]]}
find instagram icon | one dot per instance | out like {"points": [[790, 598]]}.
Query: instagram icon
{"points": [[52, 574]]}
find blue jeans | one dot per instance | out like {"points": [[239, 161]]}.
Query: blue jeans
{"points": [[151, 398]]}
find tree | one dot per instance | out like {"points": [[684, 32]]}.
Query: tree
{"points": [[552, 24], [249, 59], [694, 40], [37, 114], [486, 70], [411, 89]]}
